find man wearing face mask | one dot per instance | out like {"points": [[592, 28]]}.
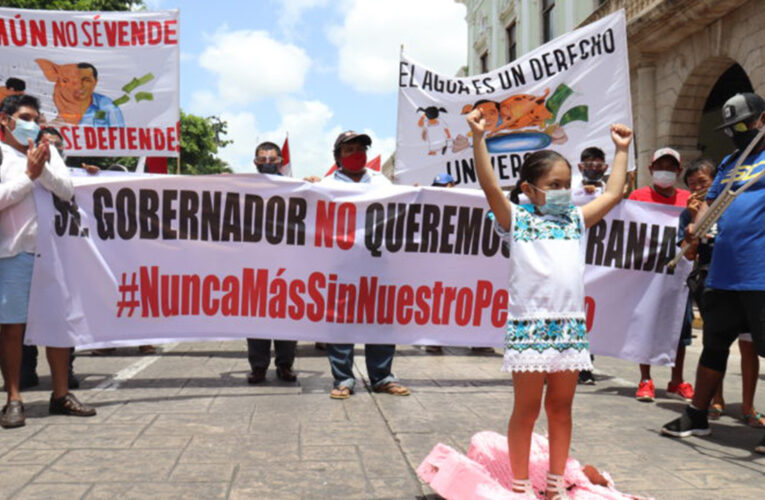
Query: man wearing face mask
{"points": [[350, 153], [23, 166], [268, 159], [734, 298], [593, 167], [665, 168]]}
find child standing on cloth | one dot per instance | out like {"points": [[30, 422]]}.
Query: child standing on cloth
{"points": [[546, 337]]}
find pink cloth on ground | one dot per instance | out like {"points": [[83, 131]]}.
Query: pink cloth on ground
{"points": [[485, 472]]}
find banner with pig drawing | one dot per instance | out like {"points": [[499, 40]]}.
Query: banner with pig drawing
{"points": [[108, 81], [563, 96]]}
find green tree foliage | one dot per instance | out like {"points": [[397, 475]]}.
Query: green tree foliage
{"points": [[200, 140], [72, 4]]}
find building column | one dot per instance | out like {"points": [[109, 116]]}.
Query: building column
{"points": [[645, 128]]}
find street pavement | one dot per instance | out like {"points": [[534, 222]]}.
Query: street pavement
{"points": [[185, 424]]}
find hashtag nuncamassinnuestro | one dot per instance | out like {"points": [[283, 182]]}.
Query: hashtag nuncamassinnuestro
{"points": [[128, 298]]}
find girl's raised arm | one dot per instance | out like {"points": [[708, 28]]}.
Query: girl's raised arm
{"points": [[499, 204], [595, 210]]}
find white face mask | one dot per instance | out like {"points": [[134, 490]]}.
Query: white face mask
{"points": [[664, 178], [557, 201]]}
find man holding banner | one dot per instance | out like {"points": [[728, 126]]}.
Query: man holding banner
{"points": [[350, 153], [23, 166], [268, 160]]}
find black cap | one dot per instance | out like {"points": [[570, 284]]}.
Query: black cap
{"points": [[350, 135], [741, 107]]}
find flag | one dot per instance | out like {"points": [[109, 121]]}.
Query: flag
{"points": [[375, 165], [286, 168]]}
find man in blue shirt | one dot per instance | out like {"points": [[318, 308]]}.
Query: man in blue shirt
{"points": [[102, 112], [734, 301]]}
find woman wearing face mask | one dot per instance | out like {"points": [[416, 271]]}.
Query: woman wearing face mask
{"points": [[665, 169], [23, 166]]}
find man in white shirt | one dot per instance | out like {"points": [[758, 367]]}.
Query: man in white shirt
{"points": [[23, 166], [351, 158]]}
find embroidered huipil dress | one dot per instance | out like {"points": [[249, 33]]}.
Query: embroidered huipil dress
{"points": [[546, 328]]}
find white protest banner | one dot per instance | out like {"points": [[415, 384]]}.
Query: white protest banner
{"points": [[562, 96], [635, 304], [154, 259], [107, 80]]}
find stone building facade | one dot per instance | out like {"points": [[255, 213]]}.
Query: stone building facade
{"points": [[686, 58]]}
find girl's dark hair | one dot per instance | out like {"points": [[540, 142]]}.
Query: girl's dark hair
{"points": [[704, 165], [535, 166]]}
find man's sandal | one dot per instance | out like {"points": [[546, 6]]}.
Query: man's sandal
{"points": [[341, 392], [715, 411], [393, 388], [754, 419]]}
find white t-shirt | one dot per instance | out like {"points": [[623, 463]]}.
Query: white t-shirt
{"points": [[369, 177], [18, 215]]}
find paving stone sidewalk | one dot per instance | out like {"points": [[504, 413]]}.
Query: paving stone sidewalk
{"points": [[185, 424]]}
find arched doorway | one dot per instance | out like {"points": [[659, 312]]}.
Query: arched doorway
{"points": [[712, 143]]}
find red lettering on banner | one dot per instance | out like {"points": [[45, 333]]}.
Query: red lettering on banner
{"points": [[346, 226], [254, 290], [422, 316], [159, 139], [154, 32], [38, 33], [404, 305], [230, 300], [172, 139], [589, 311], [210, 305], [131, 138], [171, 32], [149, 292], [90, 138], [499, 309], [139, 32], [464, 306], [320, 298], [482, 299], [315, 311], [325, 223], [144, 138]]}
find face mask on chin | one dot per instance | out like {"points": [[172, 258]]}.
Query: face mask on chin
{"points": [[664, 178], [354, 162]]}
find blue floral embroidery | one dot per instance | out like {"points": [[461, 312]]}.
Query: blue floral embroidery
{"points": [[529, 226], [545, 334]]}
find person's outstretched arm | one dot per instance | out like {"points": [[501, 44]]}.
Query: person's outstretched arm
{"points": [[499, 204]]}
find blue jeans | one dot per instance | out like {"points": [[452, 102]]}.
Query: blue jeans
{"points": [[379, 363]]}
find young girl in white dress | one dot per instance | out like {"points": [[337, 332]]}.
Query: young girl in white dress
{"points": [[546, 338]]}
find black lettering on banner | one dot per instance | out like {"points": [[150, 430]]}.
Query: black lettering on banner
{"points": [[169, 214], [232, 224], [253, 214], [412, 228], [394, 227], [447, 229], [297, 208], [468, 230], [374, 227], [68, 218], [148, 205], [188, 222], [125, 205], [606, 246], [431, 217], [211, 215], [102, 199]]}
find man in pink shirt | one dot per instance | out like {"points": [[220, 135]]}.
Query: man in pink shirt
{"points": [[665, 168]]}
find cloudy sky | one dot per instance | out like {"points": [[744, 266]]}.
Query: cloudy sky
{"points": [[310, 68]]}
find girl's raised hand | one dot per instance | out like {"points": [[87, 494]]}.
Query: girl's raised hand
{"points": [[477, 123], [621, 135]]}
